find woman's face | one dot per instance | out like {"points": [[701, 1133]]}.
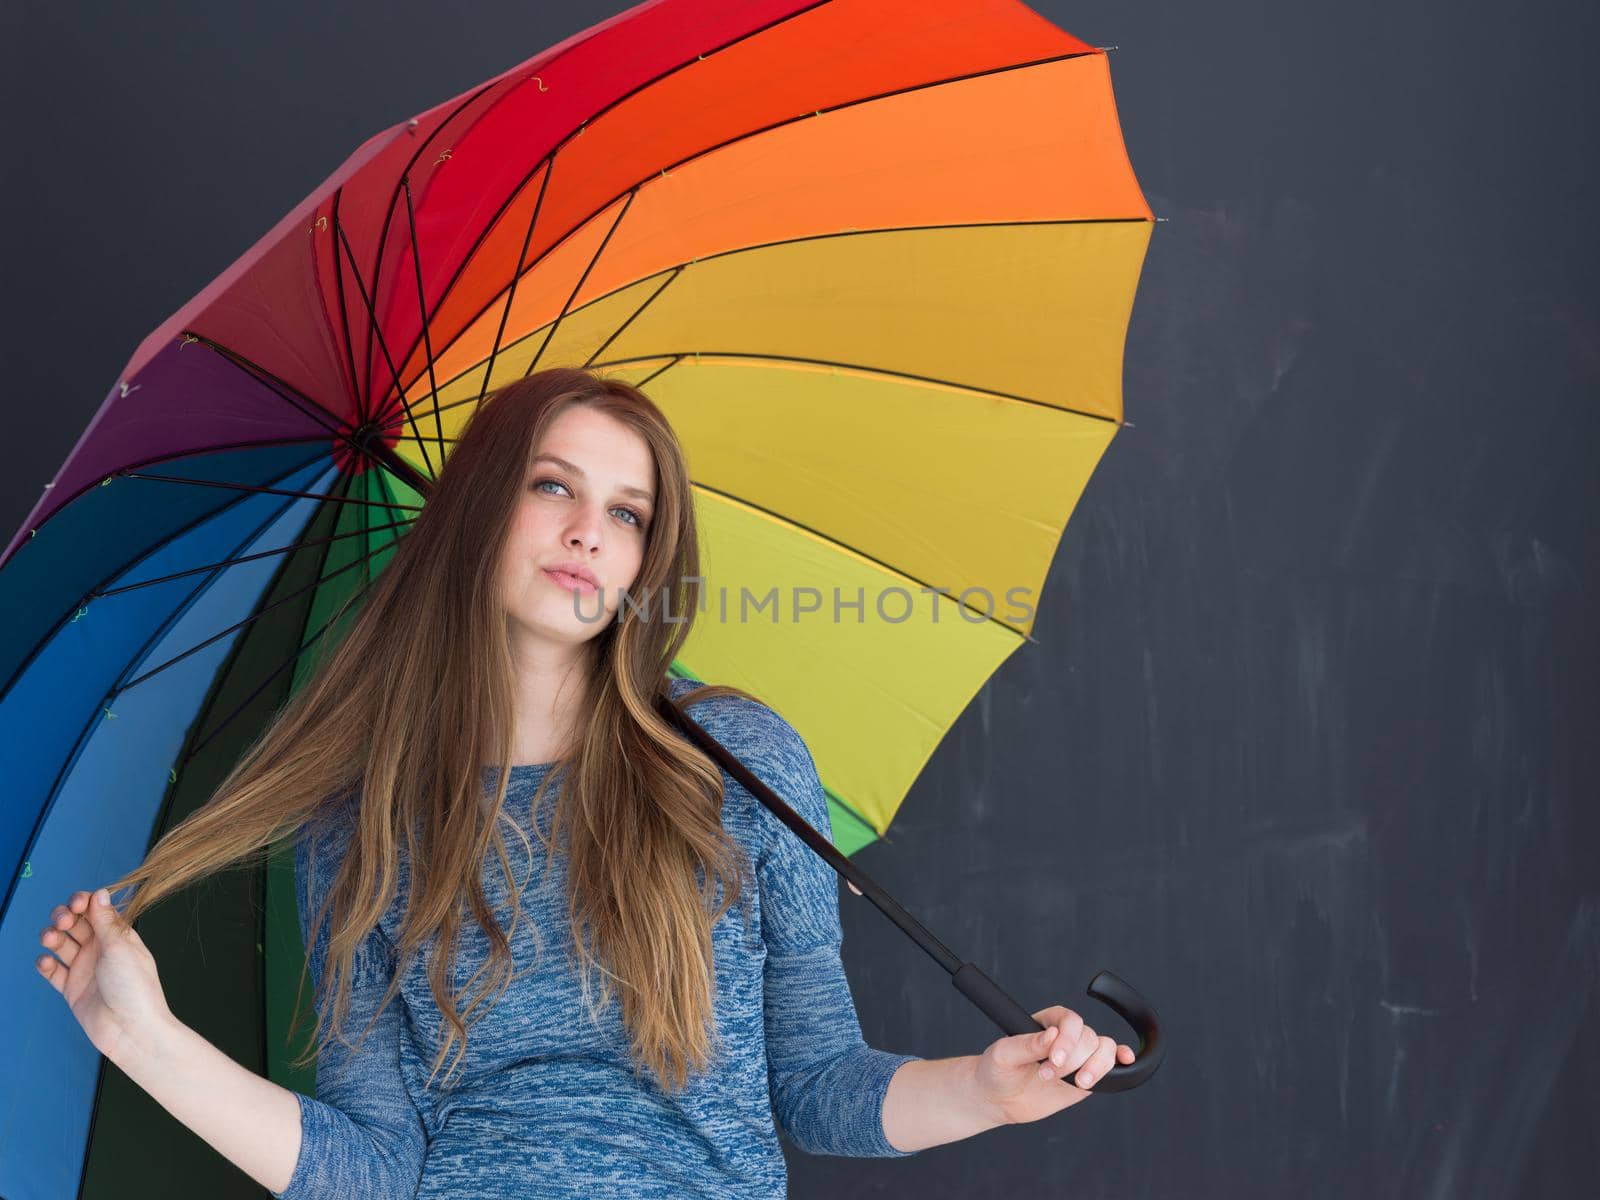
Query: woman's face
{"points": [[587, 499]]}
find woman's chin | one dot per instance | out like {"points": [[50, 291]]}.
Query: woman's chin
{"points": [[559, 622]]}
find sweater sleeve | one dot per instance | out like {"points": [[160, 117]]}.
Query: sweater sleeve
{"points": [[827, 1085], [362, 1134]]}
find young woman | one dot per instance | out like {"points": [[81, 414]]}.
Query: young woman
{"points": [[494, 682]]}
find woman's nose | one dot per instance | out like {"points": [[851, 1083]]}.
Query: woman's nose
{"points": [[584, 532]]}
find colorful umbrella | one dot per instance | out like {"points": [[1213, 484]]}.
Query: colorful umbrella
{"points": [[875, 260]]}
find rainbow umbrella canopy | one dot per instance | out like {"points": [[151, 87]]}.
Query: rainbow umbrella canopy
{"points": [[858, 252]]}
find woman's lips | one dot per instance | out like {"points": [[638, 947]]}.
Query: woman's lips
{"points": [[571, 581]]}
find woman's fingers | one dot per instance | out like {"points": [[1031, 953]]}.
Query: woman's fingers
{"points": [[53, 971], [65, 916], [1067, 1057], [72, 924], [66, 948], [1054, 1015], [1022, 1049], [1101, 1059], [1067, 1025], [74, 928], [1066, 1049], [66, 935], [1075, 1045], [1078, 1061]]}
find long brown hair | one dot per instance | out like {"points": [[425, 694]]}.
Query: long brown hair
{"points": [[419, 695]]}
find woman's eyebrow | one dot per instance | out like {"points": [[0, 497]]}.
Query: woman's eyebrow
{"points": [[578, 471]]}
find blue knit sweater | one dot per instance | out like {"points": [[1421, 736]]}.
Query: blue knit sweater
{"points": [[546, 1104]]}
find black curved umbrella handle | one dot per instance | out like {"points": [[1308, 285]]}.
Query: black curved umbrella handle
{"points": [[1005, 1012], [973, 983]]}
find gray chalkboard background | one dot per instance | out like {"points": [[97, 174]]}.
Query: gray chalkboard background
{"points": [[1308, 750]]}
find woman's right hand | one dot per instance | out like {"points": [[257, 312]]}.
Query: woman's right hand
{"points": [[105, 972]]}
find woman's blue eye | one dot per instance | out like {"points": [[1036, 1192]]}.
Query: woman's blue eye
{"points": [[637, 519]]}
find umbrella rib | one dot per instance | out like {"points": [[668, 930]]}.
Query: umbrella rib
{"points": [[357, 448], [164, 811], [650, 378], [489, 225], [256, 616], [89, 487], [193, 749], [383, 482], [422, 307], [676, 269], [233, 562], [550, 330], [372, 318], [268, 679], [678, 356], [833, 541], [669, 276], [261, 375], [516, 276], [632, 317], [83, 733], [285, 664], [394, 195], [970, 389], [356, 382], [203, 742], [127, 563], [246, 487]]}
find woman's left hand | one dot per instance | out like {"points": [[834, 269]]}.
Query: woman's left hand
{"points": [[1020, 1077]]}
